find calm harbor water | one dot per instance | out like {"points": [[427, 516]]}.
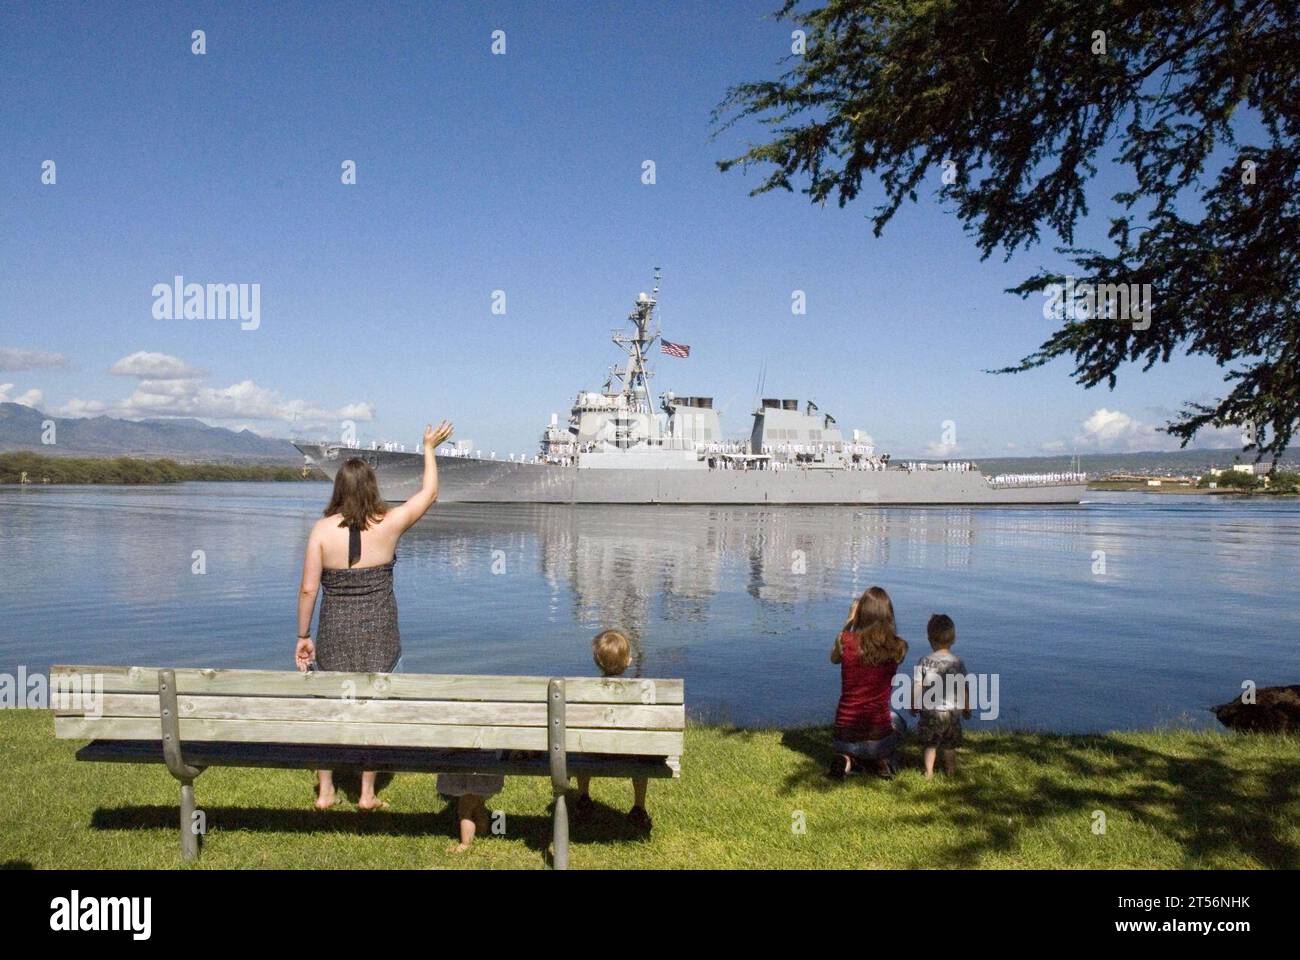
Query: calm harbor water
{"points": [[1197, 593]]}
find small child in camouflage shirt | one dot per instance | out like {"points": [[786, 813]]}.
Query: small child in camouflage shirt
{"points": [[938, 694]]}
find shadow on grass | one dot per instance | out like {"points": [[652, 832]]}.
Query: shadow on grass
{"points": [[604, 824], [1209, 803], [814, 744], [279, 820]]}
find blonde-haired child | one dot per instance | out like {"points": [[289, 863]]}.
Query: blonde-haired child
{"points": [[612, 653]]}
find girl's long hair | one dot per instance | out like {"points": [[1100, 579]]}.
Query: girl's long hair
{"points": [[871, 619], [356, 495]]}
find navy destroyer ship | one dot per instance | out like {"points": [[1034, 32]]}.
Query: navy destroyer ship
{"points": [[619, 447]]}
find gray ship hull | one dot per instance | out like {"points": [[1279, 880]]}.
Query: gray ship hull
{"points": [[470, 480]]}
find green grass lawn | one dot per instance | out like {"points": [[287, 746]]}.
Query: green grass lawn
{"points": [[1171, 799]]}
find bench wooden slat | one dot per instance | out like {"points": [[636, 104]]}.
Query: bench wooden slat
{"points": [[660, 743], [456, 712], [389, 686], [383, 759]]}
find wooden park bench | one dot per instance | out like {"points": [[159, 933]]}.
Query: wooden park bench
{"points": [[413, 723]]}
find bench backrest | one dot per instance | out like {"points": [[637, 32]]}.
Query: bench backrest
{"points": [[602, 715]]}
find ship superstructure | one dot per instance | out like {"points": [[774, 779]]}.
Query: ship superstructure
{"points": [[620, 446]]}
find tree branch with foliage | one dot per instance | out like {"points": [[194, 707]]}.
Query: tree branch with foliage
{"points": [[1019, 102]]}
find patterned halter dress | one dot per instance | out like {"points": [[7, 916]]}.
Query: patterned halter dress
{"points": [[357, 631]]}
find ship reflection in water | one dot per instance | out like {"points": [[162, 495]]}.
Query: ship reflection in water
{"points": [[615, 562]]}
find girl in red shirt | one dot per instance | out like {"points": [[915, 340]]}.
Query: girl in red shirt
{"points": [[868, 651]]}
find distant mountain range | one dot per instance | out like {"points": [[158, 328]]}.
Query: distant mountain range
{"points": [[185, 440]]}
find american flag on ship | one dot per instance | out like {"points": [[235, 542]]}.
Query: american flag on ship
{"points": [[675, 349]]}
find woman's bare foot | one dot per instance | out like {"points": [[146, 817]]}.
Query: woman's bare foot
{"points": [[458, 848], [325, 797], [368, 801]]}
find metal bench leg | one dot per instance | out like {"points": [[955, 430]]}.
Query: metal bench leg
{"points": [[182, 771], [560, 832], [189, 839], [555, 741]]}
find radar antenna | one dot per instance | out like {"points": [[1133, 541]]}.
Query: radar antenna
{"points": [[635, 375]]}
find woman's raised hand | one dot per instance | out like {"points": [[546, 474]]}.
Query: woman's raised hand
{"points": [[853, 613], [434, 437]]}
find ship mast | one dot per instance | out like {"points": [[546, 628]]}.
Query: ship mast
{"points": [[636, 374]]}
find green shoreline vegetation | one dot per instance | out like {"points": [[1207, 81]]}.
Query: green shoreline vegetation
{"points": [[25, 467], [747, 800], [22, 467], [1280, 482]]}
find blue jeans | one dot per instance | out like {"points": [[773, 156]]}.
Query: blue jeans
{"points": [[882, 749]]}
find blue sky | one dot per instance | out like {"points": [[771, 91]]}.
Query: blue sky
{"points": [[477, 172]]}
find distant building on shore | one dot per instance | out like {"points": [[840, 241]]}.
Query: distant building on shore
{"points": [[1249, 469]]}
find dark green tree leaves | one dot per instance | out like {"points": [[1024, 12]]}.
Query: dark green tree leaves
{"points": [[1008, 108]]}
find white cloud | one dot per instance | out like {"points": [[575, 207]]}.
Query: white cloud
{"points": [[357, 411], [245, 400], [1113, 431], [940, 449], [12, 359], [153, 366], [77, 408], [169, 387], [32, 398]]}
